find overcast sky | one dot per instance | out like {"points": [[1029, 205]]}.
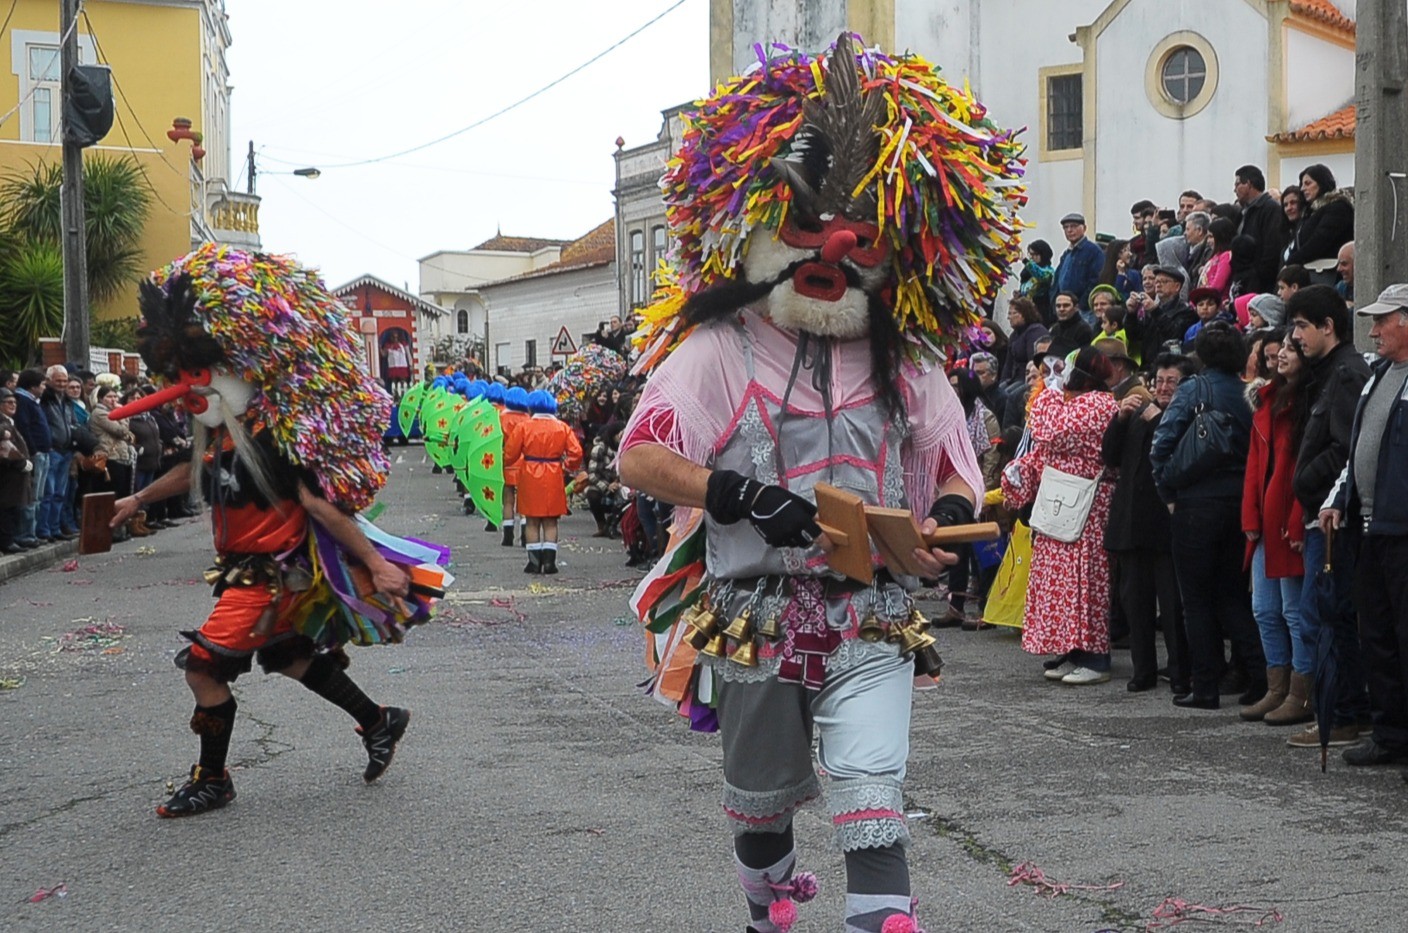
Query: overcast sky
{"points": [[318, 84]]}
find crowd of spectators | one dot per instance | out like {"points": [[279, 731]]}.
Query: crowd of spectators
{"points": [[1198, 382], [58, 443]]}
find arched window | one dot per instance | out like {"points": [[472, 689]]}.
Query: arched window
{"points": [[462, 321]]}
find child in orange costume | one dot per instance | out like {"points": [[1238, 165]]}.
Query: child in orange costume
{"points": [[514, 414], [543, 450]]}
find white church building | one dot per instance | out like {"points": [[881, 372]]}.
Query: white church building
{"points": [[1122, 99]]}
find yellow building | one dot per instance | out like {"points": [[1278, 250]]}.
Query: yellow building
{"points": [[168, 62]]}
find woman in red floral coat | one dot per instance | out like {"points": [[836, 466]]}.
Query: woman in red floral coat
{"points": [[1068, 595]]}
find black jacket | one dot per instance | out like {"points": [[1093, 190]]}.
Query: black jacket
{"points": [[1071, 334], [1264, 221], [1391, 476], [1161, 325], [59, 414], [1139, 520], [1329, 226], [1332, 392]]}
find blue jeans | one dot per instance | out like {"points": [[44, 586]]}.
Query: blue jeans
{"points": [[1276, 606], [29, 522], [1351, 689], [56, 490]]}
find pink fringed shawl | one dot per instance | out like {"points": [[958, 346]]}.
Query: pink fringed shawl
{"points": [[693, 400]]}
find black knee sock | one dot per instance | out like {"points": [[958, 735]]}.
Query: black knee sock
{"points": [[759, 850], [325, 678], [214, 724], [758, 854], [877, 871]]}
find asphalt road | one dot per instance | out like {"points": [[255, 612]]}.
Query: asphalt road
{"points": [[538, 790]]}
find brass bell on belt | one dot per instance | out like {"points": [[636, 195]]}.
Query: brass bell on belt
{"points": [[741, 628], [213, 575], [917, 619], [913, 639], [927, 662], [870, 629], [770, 629], [717, 646], [703, 624], [746, 654]]}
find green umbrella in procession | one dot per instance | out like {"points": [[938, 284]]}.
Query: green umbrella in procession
{"points": [[477, 442], [408, 409], [437, 413]]}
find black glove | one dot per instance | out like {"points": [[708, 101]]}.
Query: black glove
{"points": [[952, 509], [784, 519]]}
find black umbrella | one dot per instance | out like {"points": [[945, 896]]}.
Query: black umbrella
{"points": [[1333, 597]]}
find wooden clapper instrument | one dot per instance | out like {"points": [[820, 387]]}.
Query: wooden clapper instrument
{"points": [[852, 526]]}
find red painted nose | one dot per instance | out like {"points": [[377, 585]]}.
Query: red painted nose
{"points": [[838, 246]]}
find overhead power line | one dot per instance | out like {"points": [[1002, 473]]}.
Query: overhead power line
{"points": [[521, 101]]}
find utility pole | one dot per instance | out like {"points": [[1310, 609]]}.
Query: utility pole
{"points": [[75, 250], [1380, 160], [249, 170]]}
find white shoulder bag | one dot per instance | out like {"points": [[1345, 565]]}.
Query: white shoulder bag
{"points": [[1063, 502]]}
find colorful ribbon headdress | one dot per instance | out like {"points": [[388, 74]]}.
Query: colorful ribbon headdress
{"points": [[274, 324], [880, 138]]}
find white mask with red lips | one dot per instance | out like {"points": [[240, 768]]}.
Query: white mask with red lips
{"points": [[225, 393]]}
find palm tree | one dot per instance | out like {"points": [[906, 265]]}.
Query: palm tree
{"points": [[116, 203], [31, 297], [117, 200]]}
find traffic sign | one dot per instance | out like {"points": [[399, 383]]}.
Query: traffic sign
{"points": [[563, 344]]}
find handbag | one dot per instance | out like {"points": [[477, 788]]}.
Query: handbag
{"points": [[1205, 447], [1063, 502], [97, 462]]}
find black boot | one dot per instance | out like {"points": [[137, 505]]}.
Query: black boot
{"points": [[508, 535], [535, 562], [523, 535], [549, 558], [490, 526]]}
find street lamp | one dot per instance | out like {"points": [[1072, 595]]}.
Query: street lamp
{"points": [[251, 170]]}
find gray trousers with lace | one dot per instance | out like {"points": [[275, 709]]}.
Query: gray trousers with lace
{"points": [[860, 719]]}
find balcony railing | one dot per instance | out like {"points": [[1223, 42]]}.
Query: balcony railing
{"points": [[233, 215]]}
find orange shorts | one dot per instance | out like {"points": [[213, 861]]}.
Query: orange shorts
{"points": [[223, 646]]}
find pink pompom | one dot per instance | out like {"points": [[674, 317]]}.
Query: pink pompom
{"points": [[783, 914], [899, 923], [804, 886]]}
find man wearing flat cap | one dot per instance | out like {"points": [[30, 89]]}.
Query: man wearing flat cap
{"points": [[1168, 320], [1370, 501], [1080, 266]]}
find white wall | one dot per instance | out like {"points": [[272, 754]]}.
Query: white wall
{"points": [[535, 309], [1319, 78], [1009, 85], [1142, 154], [805, 24], [1342, 164]]}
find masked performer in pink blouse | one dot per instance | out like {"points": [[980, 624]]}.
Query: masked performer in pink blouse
{"points": [[837, 221]]}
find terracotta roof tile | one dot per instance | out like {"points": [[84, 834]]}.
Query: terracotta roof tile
{"points": [[518, 244], [1338, 125], [1325, 12], [595, 248]]}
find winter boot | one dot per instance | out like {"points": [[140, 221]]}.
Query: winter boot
{"points": [[535, 561], [508, 535], [548, 555], [490, 526], [600, 528], [1297, 707], [137, 525], [1278, 681]]}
